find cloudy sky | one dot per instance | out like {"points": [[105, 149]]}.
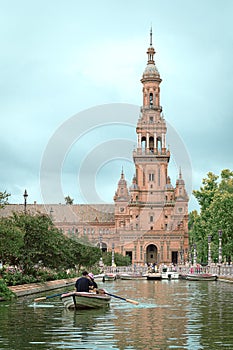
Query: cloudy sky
{"points": [[70, 91]]}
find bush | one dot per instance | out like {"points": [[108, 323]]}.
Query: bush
{"points": [[5, 292]]}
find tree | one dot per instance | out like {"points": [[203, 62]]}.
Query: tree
{"points": [[11, 242], [216, 201], [4, 199], [206, 193], [119, 259], [69, 200]]}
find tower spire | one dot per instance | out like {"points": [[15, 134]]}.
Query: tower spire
{"points": [[151, 36], [150, 51]]}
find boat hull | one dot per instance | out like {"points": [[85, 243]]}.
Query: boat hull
{"points": [[154, 276], [201, 277], [109, 277], [170, 275], [84, 300], [132, 277]]}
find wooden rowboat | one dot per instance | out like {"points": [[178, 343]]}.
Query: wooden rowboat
{"points": [[201, 277], [85, 300]]}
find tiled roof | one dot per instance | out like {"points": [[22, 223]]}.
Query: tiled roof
{"points": [[76, 213]]}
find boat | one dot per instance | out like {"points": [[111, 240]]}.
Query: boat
{"points": [[154, 276], [128, 276], [99, 278], [169, 274], [85, 300], [201, 277], [109, 277]]}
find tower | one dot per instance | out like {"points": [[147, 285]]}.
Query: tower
{"points": [[152, 226]]}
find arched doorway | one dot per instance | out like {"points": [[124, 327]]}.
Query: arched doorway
{"points": [[151, 254]]}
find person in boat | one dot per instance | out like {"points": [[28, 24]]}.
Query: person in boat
{"points": [[95, 286], [84, 283]]}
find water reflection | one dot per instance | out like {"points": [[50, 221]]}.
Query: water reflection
{"points": [[171, 315]]}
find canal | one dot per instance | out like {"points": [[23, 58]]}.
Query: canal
{"points": [[174, 314]]}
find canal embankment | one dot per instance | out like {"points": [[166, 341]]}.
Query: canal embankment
{"points": [[34, 288]]}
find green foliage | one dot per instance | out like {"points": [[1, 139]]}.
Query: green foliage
{"points": [[207, 191], [69, 200], [11, 242], [5, 292], [216, 202], [4, 199], [119, 259], [34, 244]]}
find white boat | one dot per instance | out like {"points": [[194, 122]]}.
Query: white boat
{"points": [[85, 300], [99, 278], [201, 277], [169, 274], [128, 276], [109, 277]]}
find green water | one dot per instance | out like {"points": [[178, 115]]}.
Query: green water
{"points": [[170, 315]]}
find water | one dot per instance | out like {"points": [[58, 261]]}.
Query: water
{"points": [[170, 315]]}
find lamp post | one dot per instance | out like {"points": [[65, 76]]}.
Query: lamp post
{"points": [[51, 213], [182, 256], [113, 262], [209, 250], [220, 247], [25, 201], [194, 255], [101, 264]]}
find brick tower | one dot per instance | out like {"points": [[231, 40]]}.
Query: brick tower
{"points": [[152, 218]]}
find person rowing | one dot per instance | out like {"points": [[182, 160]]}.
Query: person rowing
{"points": [[84, 283]]}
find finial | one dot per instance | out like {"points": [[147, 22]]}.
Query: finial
{"points": [[180, 174], [151, 36]]}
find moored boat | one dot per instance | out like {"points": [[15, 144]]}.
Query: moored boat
{"points": [[201, 277], [170, 275], [85, 300], [154, 276], [127, 276], [109, 277], [99, 278]]}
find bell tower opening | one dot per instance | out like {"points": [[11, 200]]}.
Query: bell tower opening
{"points": [[151, 100]]}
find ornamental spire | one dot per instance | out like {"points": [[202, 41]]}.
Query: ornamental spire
{"points": [[151, 36], [150, 51]]}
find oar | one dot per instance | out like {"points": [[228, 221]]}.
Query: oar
{"points": [[128, 300], [50, 296]]}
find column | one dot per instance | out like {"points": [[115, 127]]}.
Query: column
{"points": [[147, 141], [155, 141], [139, 140], [209, 250], [194, 255], [163, 141], [220, 247]]}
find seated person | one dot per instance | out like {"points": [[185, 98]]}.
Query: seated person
{"points": [[84, 283], [95, 286]]}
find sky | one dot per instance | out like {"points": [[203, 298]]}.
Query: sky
{"points": [[71, 91]]}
